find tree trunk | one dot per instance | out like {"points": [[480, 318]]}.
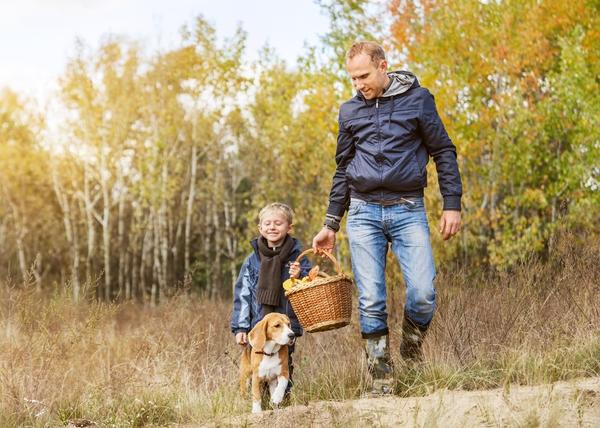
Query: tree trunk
{"points": [[127, 273], [175, 241], [146, 244], [163, 231], [217, 261], [156, 268], [121, 239], [176, 276], [188, 214], [106, 200], [21, 256], [207, 256], [70, 232], [21, 232], [230, 239], [36, 270], [91, 230], [135, 269]]}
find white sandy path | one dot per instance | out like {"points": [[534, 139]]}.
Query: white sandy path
{"points": [[563, 404]]}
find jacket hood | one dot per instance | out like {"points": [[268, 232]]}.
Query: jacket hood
{"points": [[400, 82]]}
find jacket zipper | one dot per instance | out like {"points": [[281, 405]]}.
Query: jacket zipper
{"points": [[379, 142]]}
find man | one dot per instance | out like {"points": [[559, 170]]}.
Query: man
{"points": [[387, 132]]}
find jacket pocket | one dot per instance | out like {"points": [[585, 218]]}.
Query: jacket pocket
{"points": [[362, 175], [404, 175]]}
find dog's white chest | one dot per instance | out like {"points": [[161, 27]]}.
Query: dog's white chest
{"points": [[269, 367]]}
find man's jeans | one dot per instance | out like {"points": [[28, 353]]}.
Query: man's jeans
{"points": [[370, 228]]}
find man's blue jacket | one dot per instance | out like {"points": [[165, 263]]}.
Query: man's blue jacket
{"points": [[384, 146], [247, 311]]}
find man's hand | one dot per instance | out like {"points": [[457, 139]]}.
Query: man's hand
{"points": [[324, 240], [241, 339], [449, 224]]}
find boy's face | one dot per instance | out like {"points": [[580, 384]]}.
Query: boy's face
{"points": [[274, 227]]}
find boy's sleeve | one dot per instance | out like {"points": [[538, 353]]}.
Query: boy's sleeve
{"points": [[242, 301]]}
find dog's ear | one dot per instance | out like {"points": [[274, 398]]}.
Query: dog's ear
{"points": [[258, 335]]}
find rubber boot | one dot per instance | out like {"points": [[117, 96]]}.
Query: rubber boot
{"points": [[379, 364], [413, 335]]}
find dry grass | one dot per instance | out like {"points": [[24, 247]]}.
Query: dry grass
{"points": [[128, 365]]}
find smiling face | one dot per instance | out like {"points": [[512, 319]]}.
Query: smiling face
{"points": [[368, 77], [274, 226]]}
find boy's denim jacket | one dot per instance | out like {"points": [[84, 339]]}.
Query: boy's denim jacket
{"points": [[246, 309]]}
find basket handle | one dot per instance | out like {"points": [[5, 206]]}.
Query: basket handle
{"points": [[329, 255]]}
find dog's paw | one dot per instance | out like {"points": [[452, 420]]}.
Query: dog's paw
{"points": [[256, 408], [277, 398]]}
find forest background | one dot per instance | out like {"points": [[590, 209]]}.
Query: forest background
{"points": [[165, 159], [123, 226]]}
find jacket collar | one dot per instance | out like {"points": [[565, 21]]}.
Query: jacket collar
{"points": [[400, 82]]}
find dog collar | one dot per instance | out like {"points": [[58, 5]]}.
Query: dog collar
{"points": [[264, 353]]}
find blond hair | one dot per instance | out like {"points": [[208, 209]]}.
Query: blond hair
{"points": [[375, 51], [287, 212]]}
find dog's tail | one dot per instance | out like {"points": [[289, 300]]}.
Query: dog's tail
{"points": [[245, 357], [245, 370]]}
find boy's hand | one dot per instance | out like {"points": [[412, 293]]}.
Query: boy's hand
{"points": [[241, 339], [295, 270]]}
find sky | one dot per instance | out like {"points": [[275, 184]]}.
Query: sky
{"points": [[37, 37]]}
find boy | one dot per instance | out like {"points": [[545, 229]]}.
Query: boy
{"points": [[258, 289]]}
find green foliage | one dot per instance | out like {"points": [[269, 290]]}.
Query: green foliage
{"points": [[166, 158], [350, 21], [520, 101]]}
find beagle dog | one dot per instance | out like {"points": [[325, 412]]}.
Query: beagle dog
{"points": [[267, 359]]}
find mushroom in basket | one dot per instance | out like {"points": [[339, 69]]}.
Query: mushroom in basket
{"points": [[288, 284]]}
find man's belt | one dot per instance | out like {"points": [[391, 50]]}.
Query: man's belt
{"points": [[390, 202]]}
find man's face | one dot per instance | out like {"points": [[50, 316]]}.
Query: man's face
{"points": [[367, 77]]}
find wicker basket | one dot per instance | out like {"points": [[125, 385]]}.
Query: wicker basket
{"points": [[324, 303]]}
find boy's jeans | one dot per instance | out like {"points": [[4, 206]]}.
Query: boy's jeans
{"points": [[370, 228]]}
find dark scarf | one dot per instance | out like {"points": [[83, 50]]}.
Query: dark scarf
{"points": [[269, 287]]}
